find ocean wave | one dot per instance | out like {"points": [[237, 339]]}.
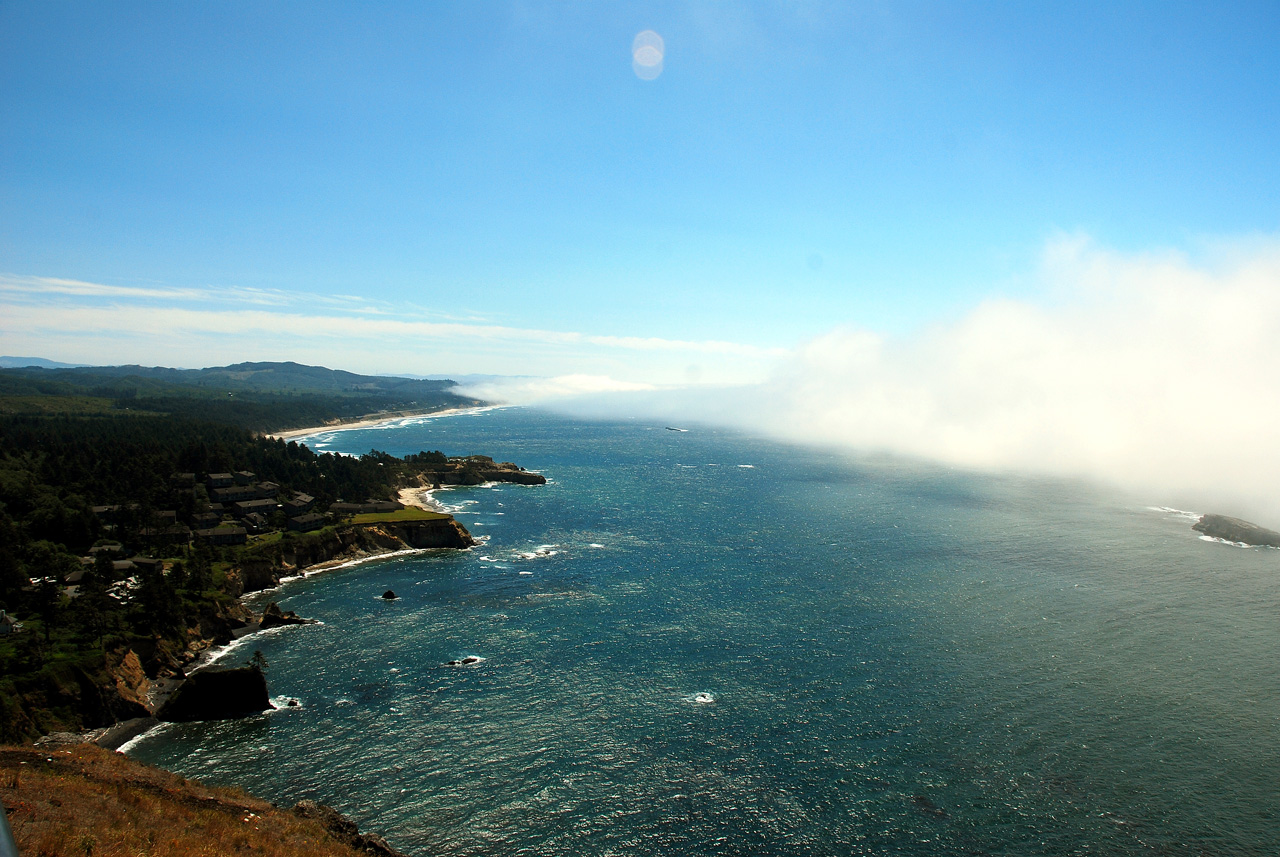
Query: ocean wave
{"points": [[1232, 544], [1176, 513], [540, 552]]}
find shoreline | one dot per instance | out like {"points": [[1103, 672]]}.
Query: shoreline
{"points": [[121, 737], [373, 422]]}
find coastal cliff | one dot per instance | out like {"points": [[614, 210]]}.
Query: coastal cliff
{"points": [[1236, 530], [474, 470], [343, 543]]}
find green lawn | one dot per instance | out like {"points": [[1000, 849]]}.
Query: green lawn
{"points": [[408, 514]]}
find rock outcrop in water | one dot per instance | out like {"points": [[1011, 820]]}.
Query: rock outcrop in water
{"points": [[274, 617], [218, 693], [1236, 530]]}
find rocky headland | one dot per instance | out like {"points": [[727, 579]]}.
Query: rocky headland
{"points": [[1236, 530], [476, 470]]}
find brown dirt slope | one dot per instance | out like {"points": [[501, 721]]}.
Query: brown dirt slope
{"points": [[84, 800]]}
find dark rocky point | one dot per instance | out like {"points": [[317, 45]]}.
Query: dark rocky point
{"points": [[218, 693], [390, 595], [345, 830], [1236, 530], [274, 617]]}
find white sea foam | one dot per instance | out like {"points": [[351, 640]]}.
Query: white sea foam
{"points": [[702, 697], [1177, 513], [158, 729], [538, 553], [747, 466], [595, 545], [1227, 542], [526, 572]]}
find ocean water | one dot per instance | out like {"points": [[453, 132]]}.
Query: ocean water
{"points": [[703, 643]]}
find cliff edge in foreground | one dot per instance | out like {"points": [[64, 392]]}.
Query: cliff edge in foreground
{"points": [[86, 800]]}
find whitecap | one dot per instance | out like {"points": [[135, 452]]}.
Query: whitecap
{"points": [[1227, 542], [747, 466], [1177, 513], [595, 545]]}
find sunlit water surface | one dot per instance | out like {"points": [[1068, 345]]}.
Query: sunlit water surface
{"points": [[702, 643]]}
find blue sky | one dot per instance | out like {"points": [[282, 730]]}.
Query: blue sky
{"points": [[490, 187]]}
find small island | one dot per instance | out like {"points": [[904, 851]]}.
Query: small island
{"points": [[1236, 530]]}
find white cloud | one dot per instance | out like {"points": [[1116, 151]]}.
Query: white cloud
{"points": [[1148, 371]]}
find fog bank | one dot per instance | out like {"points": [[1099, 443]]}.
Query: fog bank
{"points": [[1150, 372]]}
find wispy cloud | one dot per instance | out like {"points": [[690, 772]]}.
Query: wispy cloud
{"points": [[93, 322], [42, 289]]}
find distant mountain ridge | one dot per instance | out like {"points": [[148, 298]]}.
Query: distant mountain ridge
{"points": [[283, 377], [23, 362], [262, 396]]}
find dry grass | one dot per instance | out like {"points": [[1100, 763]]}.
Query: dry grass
{"points": [[89, 802]]}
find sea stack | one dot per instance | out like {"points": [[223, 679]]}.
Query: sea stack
{"points": [[390, 595]]}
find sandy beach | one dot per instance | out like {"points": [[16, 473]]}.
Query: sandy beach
{"points": [[293, 434]]}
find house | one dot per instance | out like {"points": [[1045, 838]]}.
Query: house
{"points": [[7, 624], [176, 534], [220, 480], [244, 477], [262, 507], [306, 523], [299, 505], [147, 563], [223, 536], [235, 493], [206, 520], [256, 522]]}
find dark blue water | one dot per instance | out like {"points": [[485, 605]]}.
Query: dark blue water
{"points": [[811, 654]]}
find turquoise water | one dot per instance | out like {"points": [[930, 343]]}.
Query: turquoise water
{"points": [[703, 643]]}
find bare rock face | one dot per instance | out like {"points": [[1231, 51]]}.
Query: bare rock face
{"points": [[131, 681], [274, 617], [344, 829], [218, 693], [1236, 530]]}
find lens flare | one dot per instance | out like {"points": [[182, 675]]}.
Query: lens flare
{"points": [[647, 51]]}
